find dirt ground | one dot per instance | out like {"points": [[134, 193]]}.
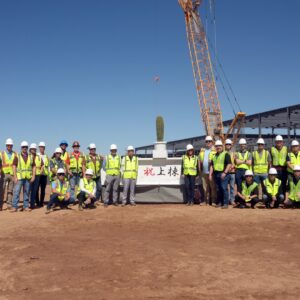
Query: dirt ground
{"points": [[150, 252]]}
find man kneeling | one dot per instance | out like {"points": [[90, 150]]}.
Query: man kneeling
{"points": [[247, 192], [60, 192], [87, 190]]}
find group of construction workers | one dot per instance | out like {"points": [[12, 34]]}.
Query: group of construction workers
{"points": [[243, 178], [74, 177]]}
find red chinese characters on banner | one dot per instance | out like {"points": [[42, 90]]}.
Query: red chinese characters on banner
{"points": [[149, 172]]}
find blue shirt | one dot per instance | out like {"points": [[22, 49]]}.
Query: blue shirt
{"points": [[54, 185], [206, 161]]}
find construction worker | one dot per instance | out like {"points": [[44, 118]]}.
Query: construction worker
{"points": [[76, 167], [293, 158], [228, 149], [56, 163], [247, 192], [38, 166], [24, 175], [130, 167], [294, 189], [205, 156], [261, 162], [40, 197], [279, 154], [242, 161], [94, 162], [60, 192], [86, 194], [112, 167], [219, 170], [272, 190], [64, 154], [6, 169]]}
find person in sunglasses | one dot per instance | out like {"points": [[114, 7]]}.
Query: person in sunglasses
{"points": [[60, 192]]}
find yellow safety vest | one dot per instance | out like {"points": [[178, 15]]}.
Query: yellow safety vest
{"points": [[294, 193], [279, 157], [94, 163], [53, 176], [88, 185], [219, 162], [24, 170], [272, 189], [260, 163], [190, 165], [46, 165], [7, 163], [113, 165], [295, 161], [243, 156], [130, 167], [38, 164], [247, 190], [212, 153], [62, 188], [76, 164], [232, 170], [65, 156]]}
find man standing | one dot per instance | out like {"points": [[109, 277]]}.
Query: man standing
{"points": [[294, 189], [87, 190], [293, 158], [76, 167], [24, 175], [261, 162], [130, 167], [243, 162], [219, 169], [44, 175], [279, 154], [112, 167], [64, 153], [6, 169], [228, 147], [94, 161], [205, 156], [272, 190]]}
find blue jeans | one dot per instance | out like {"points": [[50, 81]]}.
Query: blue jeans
{"points": [[239, 176], [259, 178], [189, 182], [222, 188], [33, 191], [25, 183], [55, 201], [74, 180], [231, 187], [98, 188]]}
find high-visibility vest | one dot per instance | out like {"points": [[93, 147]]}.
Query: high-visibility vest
{"points": [[232, 170], [65, 156], [242, 156], [247, 190], [88, 185], [76, 164], [294, 193], [295, 161], [189, 165], [53, 176], [7, 163], [212, 153], [279, 157], [130, 167], [260, 163], [94, 163], [62, 188], [219, 162], [24, 170], [38, 164], [113, 165], [272, 188], [46, 165]]}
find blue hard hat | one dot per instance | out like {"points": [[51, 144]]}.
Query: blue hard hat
{"points": [[63, 142]]}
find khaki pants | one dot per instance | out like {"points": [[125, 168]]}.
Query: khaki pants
{"points": [[209, 187], [6, 185]]}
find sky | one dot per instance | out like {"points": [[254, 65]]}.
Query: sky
{"points": [[84, 69]]}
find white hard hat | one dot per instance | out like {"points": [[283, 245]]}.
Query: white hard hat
{"points": [[278, 138], [208, 138], [189, 147], [33, 146], [89, 172], [295, 143], [130, 148], [248, 173], [9, 142], [60, 171], [42, 144], [24, 144], [260, 141], [58, 150], [92, 146], [272, 171], [242, 142], [218, 143], [113, 147], [296, 168], [228, 141]]}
